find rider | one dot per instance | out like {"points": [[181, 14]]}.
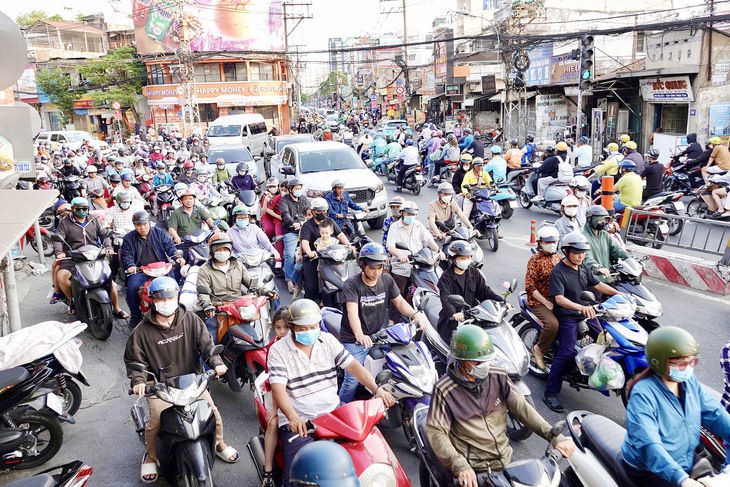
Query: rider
{"points": [[653, 173], [604, 251], [145, 245], [513, 156], [693, 149], [529, 150], [666, 407], [497, 166], [477, 147], [537, 287], [409, 158], [302, 381], [126, 187], [445, 210], [221, 173], [378, 146], [568, 223], [245, 234], [162, 177], [609, 167], [548, 172], [187, 176], [467, 421], [340, 202], [366, 297], [583, 153], [463, 279], [392, 151], [468, 140], [629, 187], [93, 187], [476, 177], [323, 464], [719, 160], [581, 187], [167, 335], [395, 204], [568, 279], [243, 181], [188, 218], [631, 154], [203, 187], [464, 164], [293, 207]]}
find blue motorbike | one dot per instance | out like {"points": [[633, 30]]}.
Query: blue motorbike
{"points": [[507, 199], [486, 214], [614, 326]]}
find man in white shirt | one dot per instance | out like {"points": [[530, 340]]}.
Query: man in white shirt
{"points": [[410, 158], [426, 132], [583, 153]]}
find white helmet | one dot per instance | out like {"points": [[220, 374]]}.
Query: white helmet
{"points": [[580, 182], [320, 204], [570, 200], [548, 233]]}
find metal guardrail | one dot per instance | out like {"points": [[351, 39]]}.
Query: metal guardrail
{"points": [[683, 232]]}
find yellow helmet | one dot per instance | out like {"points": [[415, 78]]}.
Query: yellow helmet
{"points": [[715, 141], [625, 138], [466, 158], [631, 145], [561, 147], [612, 147]]}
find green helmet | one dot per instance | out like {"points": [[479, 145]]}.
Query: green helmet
{"points": [[304, 312], [667, 342], [244, 210], [471, 342]]}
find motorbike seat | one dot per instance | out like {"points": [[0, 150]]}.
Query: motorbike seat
{"points": [[333, 322], [13, 376], [43, 480], [432, 310], [604, 437]]}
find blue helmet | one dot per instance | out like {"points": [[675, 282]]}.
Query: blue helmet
{"points": [[496, 149], [373, 253], [409, 142], [628, 165], [127, 175], [163, 287], [323, 464]]}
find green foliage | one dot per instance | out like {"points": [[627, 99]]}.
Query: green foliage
{"points": [[334, 81], [30, 18], [59, 88]]}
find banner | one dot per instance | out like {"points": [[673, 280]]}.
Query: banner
{"points": [[241, 93], [563, 70], [551, 116], [676, 89], [211, 25]]}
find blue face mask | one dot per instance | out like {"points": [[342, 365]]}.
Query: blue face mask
{"points": [[297, 193], [681, 375], [242, 223], [307, 338], [409, 220]]}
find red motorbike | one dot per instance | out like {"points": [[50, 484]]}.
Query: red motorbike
{"points": [[649, 225], [354, 427], [45, 241], [151, 270]]}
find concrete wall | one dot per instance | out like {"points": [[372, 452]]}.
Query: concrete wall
{"points": [[706, 91]]}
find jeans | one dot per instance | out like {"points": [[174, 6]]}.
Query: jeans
{"points": [[564, 355], [291, 241], [211, 323], [618, 207], [311, 280], [350, 383], [289, 450], [134, 282]]}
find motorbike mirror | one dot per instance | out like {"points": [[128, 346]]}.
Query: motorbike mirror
{"points": [[137, 367], [369, 163], [702, 468], [203, 289], [513, 286], [557, 429], [217, 350], [402, 246], [588, 296], [277, 239], [268, 278], [383, 377], [457, 300]]}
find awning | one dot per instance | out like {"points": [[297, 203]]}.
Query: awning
{"points": [[501, 97], [437, 95]]}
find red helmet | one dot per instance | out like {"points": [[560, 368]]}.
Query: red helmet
{"points": [[189, 165], [439, 133]]}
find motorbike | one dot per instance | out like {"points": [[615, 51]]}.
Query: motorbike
{"points": [[511, 352], [153, 270], [71, 187], [186, 440], [353, 426], [218, 206], [647, 226], [355, 230], [74, 474], [336, 265], [196, 253], [597, 458], [628, 274], [467, 235], [543, 472], [164, 197], [46, 241], [259, 263], [671, 203], [426, 271], [486, 215], [679, 177], [413, 179], [554, 193], [90, 285], [507, 198], [516, 178], [625, 340], [250, 199]]}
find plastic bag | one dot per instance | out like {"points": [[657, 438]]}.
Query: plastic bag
{"points": [[588, 357], [608, 375]]}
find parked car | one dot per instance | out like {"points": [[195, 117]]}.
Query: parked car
{"points": [[247, 129], [277, 144], [390, 126], [317, 164], [233, 154], [72, 138]]}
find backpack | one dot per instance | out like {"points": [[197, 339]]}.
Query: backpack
{"points": [[565, 171]]}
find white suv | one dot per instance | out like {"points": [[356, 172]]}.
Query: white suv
{"points": [[73, 139]]}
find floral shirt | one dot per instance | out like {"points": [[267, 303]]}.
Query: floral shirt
{"points": [[537, 277], [386, 226]]}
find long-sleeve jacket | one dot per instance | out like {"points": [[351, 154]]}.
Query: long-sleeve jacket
{"points": [[467, 421], [467, 142], [77, 236], [339, 206], [224, 284], [243, 183], [292, 211], [661, 435], [549, 167], [160, 179], [169, 352], [251, 237], [131, 249], [604, 252]]}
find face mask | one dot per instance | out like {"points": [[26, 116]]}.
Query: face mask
{"points": [[307, 338], [600, 225], [202, 180], [242, 223], [409, 220], [221, 166], [273, 189], [681, 375], [241, 173], [570, 210], [319, 217], [125, 206], [480, 371], [80, 213], [580, 194], [166, 308], [297, 193], [221, 256], [463, 264], [549, 248], [465, 168], [446, 199]]}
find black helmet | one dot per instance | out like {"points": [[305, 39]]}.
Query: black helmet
{"points": [[140, 217], [549, 149], [530, 138], [574, 242], [372, 254], [242, 167], [115, 178], [460, 249], [596, 210], [67, 162], [294, 182], [653, 153], [514, 142]]}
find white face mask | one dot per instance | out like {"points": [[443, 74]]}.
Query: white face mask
{"points": [[549, 248], [580, 194], [480, 371], [446, 199], [167, 307], [222, 256], [570, 210], [463, 264]]}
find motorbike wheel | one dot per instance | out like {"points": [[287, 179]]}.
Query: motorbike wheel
{"points": [[47, 433], [675, 225], [71, 395], [529, 334], [190, 480], [697, 208], [415, 186], [493, 238], [525, 201], [46, 219], [653, 232], [47, 245], [507, 210], [102, 324], [515, 429]]}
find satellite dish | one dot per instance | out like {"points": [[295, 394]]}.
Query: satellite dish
{"points": [[15, 52]]}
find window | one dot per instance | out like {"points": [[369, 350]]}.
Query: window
{"points": [[640, 42], [235, 71], [262, 72], [157, 75], [54, 138], [257, 128], [288, 158], [207, 72]]}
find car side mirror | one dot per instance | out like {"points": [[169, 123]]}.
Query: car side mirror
{"points": [[588, 296], [270, 152], [457, 300], [369, 163], [203, 289], [287, 170]]}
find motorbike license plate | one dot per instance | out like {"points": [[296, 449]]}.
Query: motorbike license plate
{"points": [[54, 403], [419, 177], [513, 203], [664, 228], [678, 205]]}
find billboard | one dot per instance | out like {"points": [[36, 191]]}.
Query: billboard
{"points": [[211, 25]]}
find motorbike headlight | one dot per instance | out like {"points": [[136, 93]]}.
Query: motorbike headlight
{"points": [[248, 313], [182, 397], [378, 475], [422, 378], [501, 360], [339, 255]]}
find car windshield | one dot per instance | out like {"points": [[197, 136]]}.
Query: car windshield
{"points": [[330, 160], [280, 144], [224, 131], [77, 136], [230, 155], [396, 125], [331, 118]]}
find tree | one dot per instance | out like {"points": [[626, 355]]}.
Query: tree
{"points": [[116, 76], [332, 84], [60, 90], [30, 18]]}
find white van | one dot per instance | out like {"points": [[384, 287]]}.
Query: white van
{"points": [[247, 129]]}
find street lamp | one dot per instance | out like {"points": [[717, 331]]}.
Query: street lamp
{"points": [[467, 13]]}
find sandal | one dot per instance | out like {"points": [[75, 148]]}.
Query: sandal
{"points": [[268, 480], [538, 358], [56, 297], [71, 309], [228, 453], [148, 470], [121, 314], [292, 288]]}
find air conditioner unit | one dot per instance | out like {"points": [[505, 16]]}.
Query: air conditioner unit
{"points": [[466, 48]]}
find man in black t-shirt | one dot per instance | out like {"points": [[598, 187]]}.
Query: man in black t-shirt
{"points": [[367, 297], [567, 280], [653, 173], [308, 235]]}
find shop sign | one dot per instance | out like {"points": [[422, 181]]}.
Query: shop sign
{"points": [[563, 70], [246, 92], [489, 84], [676, 89], [452, 90], [538, 73], [720, 121]]}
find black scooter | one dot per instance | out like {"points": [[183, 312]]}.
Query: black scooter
{"points": [[186, 440]]}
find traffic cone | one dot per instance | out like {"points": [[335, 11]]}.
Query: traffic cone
{"points": [[533, 234]]}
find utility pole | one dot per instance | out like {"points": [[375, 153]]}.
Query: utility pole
{"points": [[190, 112], [405, 49], [298, 17]]}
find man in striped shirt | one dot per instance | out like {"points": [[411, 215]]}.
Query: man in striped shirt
{"points": [[303, 377], [725, 364]]}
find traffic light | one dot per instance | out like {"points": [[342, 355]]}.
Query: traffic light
{"points": [[575, 55], [519, 81], [586, 63]]}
